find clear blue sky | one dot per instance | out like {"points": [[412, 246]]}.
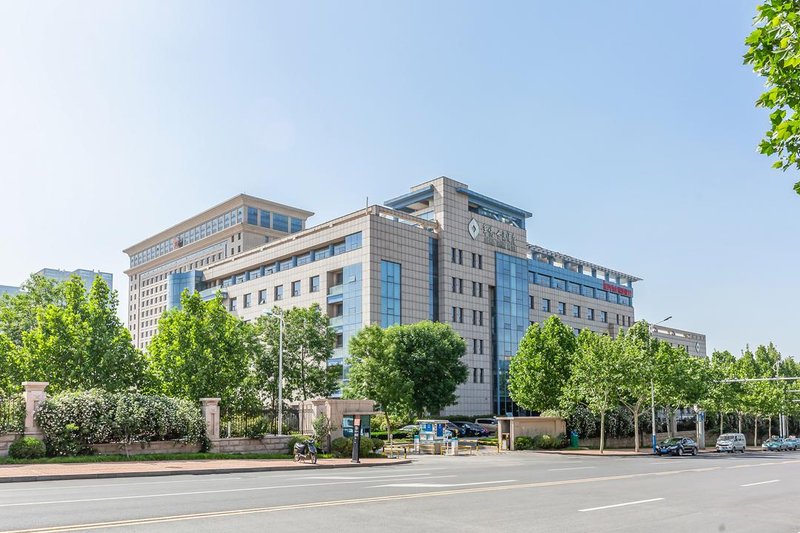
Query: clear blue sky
{"points": [[627, 128]]}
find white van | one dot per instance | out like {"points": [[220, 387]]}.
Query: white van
{"points": [[731, 442]]}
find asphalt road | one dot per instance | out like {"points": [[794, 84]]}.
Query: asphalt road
{"points": [[522, 491]]}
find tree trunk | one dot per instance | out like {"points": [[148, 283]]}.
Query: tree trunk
{"points": [[636, 436], [755, 431], [602, 430], [770, 426], [739, 418], [720, 423], [388, 427]]}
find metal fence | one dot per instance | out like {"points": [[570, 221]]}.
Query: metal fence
{"points": [[12, 415], [256, 424]]}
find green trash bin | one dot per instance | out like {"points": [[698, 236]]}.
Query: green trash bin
{"points": [[573, 439]]}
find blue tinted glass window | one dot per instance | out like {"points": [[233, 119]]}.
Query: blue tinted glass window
{"points": [[600, 295], [559, 284], [280, 222], [297, 225], [390, 293], [573, 287], [543, 280], [252, 216], [352, 242], [264, 220], [562, 308], [587, 291]]}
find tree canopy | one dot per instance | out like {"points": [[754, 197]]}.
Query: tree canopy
{"points": [[774, 53]]}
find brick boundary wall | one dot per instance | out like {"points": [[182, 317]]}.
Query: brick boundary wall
{"points": [[267, 444], [6, 440]]}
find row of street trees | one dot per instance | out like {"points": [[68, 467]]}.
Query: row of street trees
{"points": [[554, 370], [73, 338]]}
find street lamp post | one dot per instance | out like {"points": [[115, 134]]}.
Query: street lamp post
{"points": [[282, 324], [653, 398]]}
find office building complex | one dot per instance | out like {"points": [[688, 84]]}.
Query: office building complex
{"points": [[440, 252], [9, 289]]}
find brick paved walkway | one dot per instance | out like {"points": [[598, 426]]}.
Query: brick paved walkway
{"points": [[46, 472]]}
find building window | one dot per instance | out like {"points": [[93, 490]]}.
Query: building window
{"points": [[480, 318], [562, 308], [461, 257], [455, 314], [573, 287], [618, 319], [545, 305], [455, 284], [474, 288], [296, 288], [313, 284], [390, 293], [280, 222], [480, 290], [589, 313], [474, 345], [559, 284], [460, 315], [252, 216], [603, 317], [474, 375], [297, 224], [474, 260], [262, 296], [530, 302], [278, 293], [576, 311], [264, 220], [481, 376], [480, 346], [248, 300], [453, 256], [600, 295], [474, 317], [543, 280], [233, 305], [480, 262], [576, 331], [587, 291]]}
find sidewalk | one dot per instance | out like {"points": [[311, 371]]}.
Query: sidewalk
{"points": [[50, 472]]}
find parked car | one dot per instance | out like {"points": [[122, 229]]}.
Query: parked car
{"points": [[774, 444], [471, 429], [731, 442], [677, 446], [489, 424], [454, 430], [791, 442], [409, 428]]}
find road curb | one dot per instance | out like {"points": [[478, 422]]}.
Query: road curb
{"points": [[194, 472]]}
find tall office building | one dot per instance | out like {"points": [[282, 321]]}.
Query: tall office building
{"points": [[440, 252], [174, 259], [694, 343]]}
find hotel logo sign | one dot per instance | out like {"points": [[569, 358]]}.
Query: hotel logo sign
{"points": [[501, 238]]}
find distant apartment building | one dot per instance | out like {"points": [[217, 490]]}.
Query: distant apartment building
{"points": [[87, 276], [441, 252], [9, 289]]}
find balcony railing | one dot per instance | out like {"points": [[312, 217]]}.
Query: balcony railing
{"points": [[336, 289], [337, 321]]}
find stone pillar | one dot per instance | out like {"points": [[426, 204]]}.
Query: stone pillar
{"points": [[34, 394], [210, 409]]}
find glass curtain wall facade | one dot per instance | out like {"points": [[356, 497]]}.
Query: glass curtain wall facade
{"points": [[390, 293], [510, 321]]}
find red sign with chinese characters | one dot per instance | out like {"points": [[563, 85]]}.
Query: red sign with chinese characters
{"points": [[618, 290]]}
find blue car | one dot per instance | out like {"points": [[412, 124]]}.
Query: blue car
{"points": [[791, 442], [774, 444]]}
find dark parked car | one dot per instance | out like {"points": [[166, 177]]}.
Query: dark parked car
{"points": [[470, 429], [677, 446]]}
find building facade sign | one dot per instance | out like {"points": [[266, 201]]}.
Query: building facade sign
{"points": [[501, 238], [618, 290]]}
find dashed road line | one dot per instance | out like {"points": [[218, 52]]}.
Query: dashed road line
{"points": [[619, 505]]}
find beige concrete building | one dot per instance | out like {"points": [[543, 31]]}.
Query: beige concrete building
{"points": [[694, 343], [440, 252], [217, 234]]}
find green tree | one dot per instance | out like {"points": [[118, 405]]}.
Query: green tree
{"points": [[201, 350], [774, 53], [430, 354], [723, 397], [377, 374], [80, 343], [639, 354], [541, 368], [597, 376], [18, 313]]}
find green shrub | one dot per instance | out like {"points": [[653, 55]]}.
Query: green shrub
{"points": [[523, 443], [342, 447], [395, 434], [365, 447], [377, 444], [294, 439], [26, 448], [73, 422], [545, 442]]}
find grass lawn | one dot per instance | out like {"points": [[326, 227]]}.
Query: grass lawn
{"points": [[150, 457]]}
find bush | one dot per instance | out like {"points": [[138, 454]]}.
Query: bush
{"points": [[377, 444], [73, 422], [395, 435], [342, 447], [523, 443], [26, 448], [365, 447], [545, 442], [294, 439]]}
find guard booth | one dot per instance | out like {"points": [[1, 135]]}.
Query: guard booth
{"points": [[511, 427], [432, 436]]}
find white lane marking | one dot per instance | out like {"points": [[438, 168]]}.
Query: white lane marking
{"points": [[193, 493], [760, 483], [112, 485], [619, 505], [350, 478], [571, 468], [443, 485]]}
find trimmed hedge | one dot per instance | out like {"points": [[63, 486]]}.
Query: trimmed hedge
{"points": [[343, 447], [72, 422], [395, 435], [26, 448]]}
